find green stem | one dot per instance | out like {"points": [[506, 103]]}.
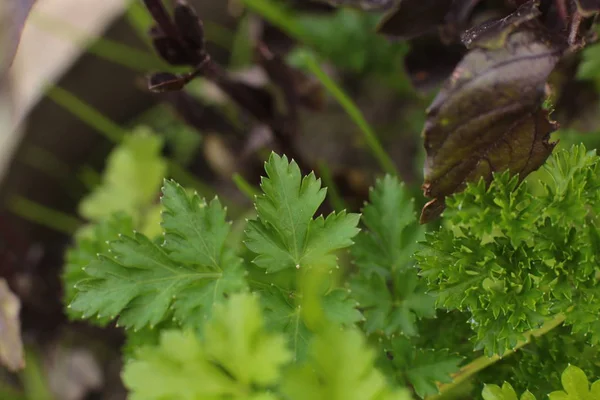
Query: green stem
{"points": [[333, 194], [277, 15], [355, 114], [86, 113], [245, 187], [483, 362], [43, 215], [218, 34], [140, 20], [34, 380], [115, 133]]}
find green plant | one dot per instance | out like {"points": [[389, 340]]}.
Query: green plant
{"points": [[292, 315]]}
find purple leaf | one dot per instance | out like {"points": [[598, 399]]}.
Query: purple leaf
{"points": [[489, 117], [166, 82]]}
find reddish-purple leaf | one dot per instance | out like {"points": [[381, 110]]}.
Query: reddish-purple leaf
{"points": [[179, 39], [170, 50], [161, 16], [493, 34], [488, 117], [166, 82], [189, 25]]}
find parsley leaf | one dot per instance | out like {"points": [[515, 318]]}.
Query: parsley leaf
{"points": [[283, 313], [237, 359], [576, 386], [131, 181], [506, 392], [142, 281], [89, 242], [187, 220], [387, 287], [393, 231], [574, 381], [421, 368], [340, 366], [340, 308], [514, 259], [285, 235], [137, 280], [392, 311]]}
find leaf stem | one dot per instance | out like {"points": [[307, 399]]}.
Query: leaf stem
{"points": [[354, 112], [109, 129], [483, 362], [278, 16], [43, 215], [333, 193], [115, 133], [245, 187]]}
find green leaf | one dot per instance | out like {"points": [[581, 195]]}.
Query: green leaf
{"points": [[340, 366], [194, 304], [513, 259], [576, 386], [285, 235], [428, 369], [131, 181], [340, 308], [237, 359], [527, 395], [195, 232], [390, 294], [240, 345], [590, 64], [393, 231], [494, 392], [136, 280], [421, 368], [89, 242], [284, 314], [348, 39], [396, 312], [142, 282], [546, 356]]}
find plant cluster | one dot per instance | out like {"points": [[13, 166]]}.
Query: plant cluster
{"points": [[287, 315], [287, 303]]}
